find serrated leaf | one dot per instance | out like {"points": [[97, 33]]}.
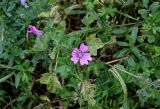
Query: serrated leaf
{"points": [[154, 6], [87, 20], [46, 78], [49, 14], [94, 44], [51, 80], [41, 44], [143, 12], [88, 92], [52, 55], [63, 67]]}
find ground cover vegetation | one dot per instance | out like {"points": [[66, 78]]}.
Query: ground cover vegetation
{"points": [[79, 54]]}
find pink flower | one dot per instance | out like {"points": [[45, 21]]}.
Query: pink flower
{"points": [[33, 29], [81, 54], [23, 2]]}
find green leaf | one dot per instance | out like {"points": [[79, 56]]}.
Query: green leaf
{"points": [[134, 34], [46, 78], [124, 44], [154, 7], [64, 66], [156, 83], [128, 3], [30, 69], [64, 70], [145, 3], [25, 77], [52, 13], [17, 79], [124, 87], [53, 54], [131, 61], [11, 6], [83, 31], [88, 92], [157, 51], [140, 39], [87, 20], [51, 80], [143, 12], [119, 31], [126, 15], [136, 51], [44, 98], [151, 39], [94, 44], [121, 53], [121, 69], [22, 98], [41, 44]]}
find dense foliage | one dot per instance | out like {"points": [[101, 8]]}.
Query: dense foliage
{"points": [[123, 36]]}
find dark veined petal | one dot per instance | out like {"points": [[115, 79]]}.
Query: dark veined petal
{"points": [[87, 56], [83, 61], [75, 59], [75, 52], [83, 48]]}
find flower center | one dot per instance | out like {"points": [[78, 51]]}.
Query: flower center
{"points": [[80, 54]]}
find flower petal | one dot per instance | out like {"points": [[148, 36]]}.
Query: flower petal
{"points": [[30, 27], [33, 29], [75, 52], [87, 56], [83, 48], [75, 59], [37, 32], [23, 2], [83, 61]]}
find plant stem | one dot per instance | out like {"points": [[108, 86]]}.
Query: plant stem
{"points": [[116, 60], [6, 77], [5, 66]]}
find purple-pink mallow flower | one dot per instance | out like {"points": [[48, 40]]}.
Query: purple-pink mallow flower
{"points": [[81, 54], [23, 2], [33, 29]]}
